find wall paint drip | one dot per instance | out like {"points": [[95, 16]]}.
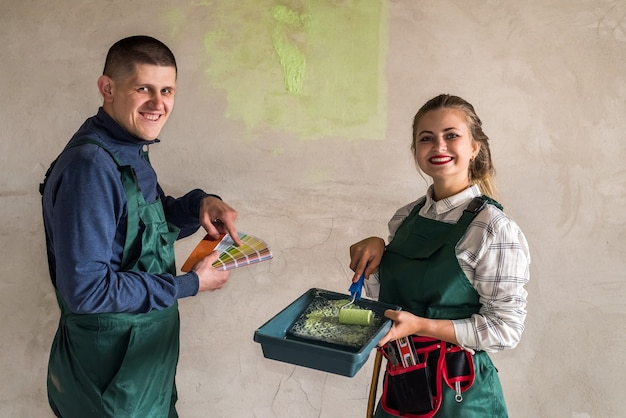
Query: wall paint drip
{"points": [[314, 69], [291, 57]]}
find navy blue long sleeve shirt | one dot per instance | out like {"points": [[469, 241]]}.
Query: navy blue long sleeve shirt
{"points": [[84, 210]]}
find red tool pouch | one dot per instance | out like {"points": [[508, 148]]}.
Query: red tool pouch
{"points": [[413, 389]]}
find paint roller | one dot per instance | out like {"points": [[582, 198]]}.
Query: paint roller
{"points": [[356, 316]]}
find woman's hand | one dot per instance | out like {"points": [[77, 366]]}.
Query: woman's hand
{"points": [[405, 324], [365, 256]]}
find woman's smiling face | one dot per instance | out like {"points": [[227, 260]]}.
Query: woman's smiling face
{"points": [[444, 147]]}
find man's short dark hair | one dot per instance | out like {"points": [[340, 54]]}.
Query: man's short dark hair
{"points": [[127, 53]]}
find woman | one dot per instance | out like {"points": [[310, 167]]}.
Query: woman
{"points": [[457, 265]]}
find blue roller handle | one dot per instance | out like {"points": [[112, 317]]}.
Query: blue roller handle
{"points": [[355, 288]]}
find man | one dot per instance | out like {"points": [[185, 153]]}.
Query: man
{"points": [[110, 231]]}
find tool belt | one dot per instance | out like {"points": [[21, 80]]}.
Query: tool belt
{"points": [[417, 368]]}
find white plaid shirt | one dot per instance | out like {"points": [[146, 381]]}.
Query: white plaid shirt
{"points": [[495, 258]]}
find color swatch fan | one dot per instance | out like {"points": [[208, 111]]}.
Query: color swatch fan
{"points": [[252, 250]]}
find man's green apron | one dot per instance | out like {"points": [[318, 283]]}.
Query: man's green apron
{"points": [[121, 364], [420, 272]]}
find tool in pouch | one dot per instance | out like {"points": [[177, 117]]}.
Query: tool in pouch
{"points": [[417, 368]]}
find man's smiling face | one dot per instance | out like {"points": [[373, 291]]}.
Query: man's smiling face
{"points": [[141, 102]]}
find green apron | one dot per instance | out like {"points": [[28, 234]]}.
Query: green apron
{"points": [[420, 272], [121, 364]]}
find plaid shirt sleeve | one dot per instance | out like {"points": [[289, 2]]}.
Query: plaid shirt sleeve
{"points": [[495, 257]]}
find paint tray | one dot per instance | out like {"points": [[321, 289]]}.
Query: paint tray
{"points": [[338, 348]]}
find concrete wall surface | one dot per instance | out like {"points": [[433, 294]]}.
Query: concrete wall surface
{"points": [[298, 113]]}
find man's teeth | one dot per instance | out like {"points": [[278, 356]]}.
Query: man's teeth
{"points": [[151, 117]]}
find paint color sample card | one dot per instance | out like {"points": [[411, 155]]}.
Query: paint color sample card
{"points": [[252, 250]]}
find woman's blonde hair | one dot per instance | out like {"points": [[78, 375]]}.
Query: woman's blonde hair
{"points": [[481, 170]]}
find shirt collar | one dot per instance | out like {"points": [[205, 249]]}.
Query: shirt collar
{"points": [[119, 133], [445, 205]]}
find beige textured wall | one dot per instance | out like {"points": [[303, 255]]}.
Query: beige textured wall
{"points": [[547, 78]]}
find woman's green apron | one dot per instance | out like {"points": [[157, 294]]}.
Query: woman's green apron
{"points": [[420, 272], [121, 364]]}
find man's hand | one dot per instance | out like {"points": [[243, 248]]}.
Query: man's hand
{"points": [[210, 277], [217, 218]]}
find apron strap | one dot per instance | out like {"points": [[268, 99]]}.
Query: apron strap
{"points": [[475, 206]]}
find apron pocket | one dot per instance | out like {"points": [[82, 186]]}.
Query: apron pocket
{"points": [[407, 390]]}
